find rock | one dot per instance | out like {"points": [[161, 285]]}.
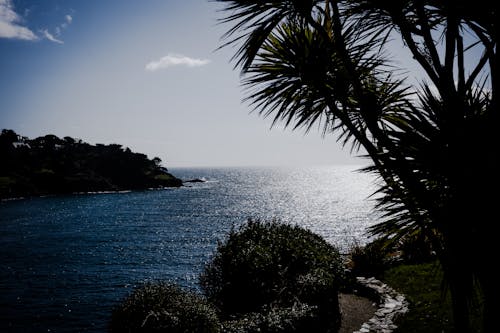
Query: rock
{"points": [[391, 306], [196, 180]]}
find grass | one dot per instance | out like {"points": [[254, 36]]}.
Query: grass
{"points": [[430, 308]]}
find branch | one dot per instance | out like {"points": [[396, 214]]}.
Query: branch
{"points": [[480, 65], [460, 65], [370, 148], [489, 55], [451, 37], [426, 34], [406, 34]]}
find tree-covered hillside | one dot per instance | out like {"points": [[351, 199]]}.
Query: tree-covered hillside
{"points": [[51, 165]]}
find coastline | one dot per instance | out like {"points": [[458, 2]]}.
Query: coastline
{"points": [[26, 197]]}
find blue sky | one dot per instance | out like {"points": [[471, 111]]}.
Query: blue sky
{"points": [[145, 74]]}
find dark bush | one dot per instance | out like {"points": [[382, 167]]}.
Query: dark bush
{"points": [[298, 318], [370, 259], [416, 249], [379, 255], [164, 307], [273, 264]]}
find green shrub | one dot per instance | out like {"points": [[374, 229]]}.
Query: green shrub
{"points": [[164, 307], [368, 260], [272, 264], [298, 318]]}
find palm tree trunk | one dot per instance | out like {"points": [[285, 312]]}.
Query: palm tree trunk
{"points": [[460, 309], [491, 302], [487, 247], [455, 273]]}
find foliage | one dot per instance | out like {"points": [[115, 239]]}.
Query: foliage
{"points": [[298, 318], [368, 260], [48, 165], [268, 264], [416, 249], [434, 146], [164, 307], [377, 256]]}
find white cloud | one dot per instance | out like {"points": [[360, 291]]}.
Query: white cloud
{"points": [[172, 60], [51, 37], [67, 21], [10, 23], [57, 30]]}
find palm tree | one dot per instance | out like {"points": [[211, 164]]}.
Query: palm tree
{"points": [[326, 63]]}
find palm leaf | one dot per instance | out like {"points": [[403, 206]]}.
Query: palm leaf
{"points": [[254, 21]]}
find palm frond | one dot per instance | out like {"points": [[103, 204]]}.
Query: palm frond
{"points": [[254, 21]]}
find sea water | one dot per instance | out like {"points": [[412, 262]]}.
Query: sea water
{"points": [[66, 261]]}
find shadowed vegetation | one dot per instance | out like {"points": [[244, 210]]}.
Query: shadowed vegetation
{"points": [[164, 307], [50, 165], [273, 272], [266, 277], [430, 307]]}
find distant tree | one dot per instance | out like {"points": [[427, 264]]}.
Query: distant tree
{"points": [[7, 140], [434, 147], [69, 140], [157, 161], [49, 164], [9, 136]]}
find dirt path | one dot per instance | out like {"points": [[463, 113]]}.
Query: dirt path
{"points": [[355, 311]]}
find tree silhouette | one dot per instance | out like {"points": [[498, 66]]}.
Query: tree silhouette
{"points": [[434, 146], [50, 165]]}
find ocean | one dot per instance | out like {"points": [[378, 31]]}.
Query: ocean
{"points": [[66, 261]]}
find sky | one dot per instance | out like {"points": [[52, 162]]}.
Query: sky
{"points": [[144, 74], [149, 75]]}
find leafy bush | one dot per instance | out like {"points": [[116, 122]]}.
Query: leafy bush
{"points": [[368, 260], [277, 265], [376, 257], [298, 318], [164, 307]]}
